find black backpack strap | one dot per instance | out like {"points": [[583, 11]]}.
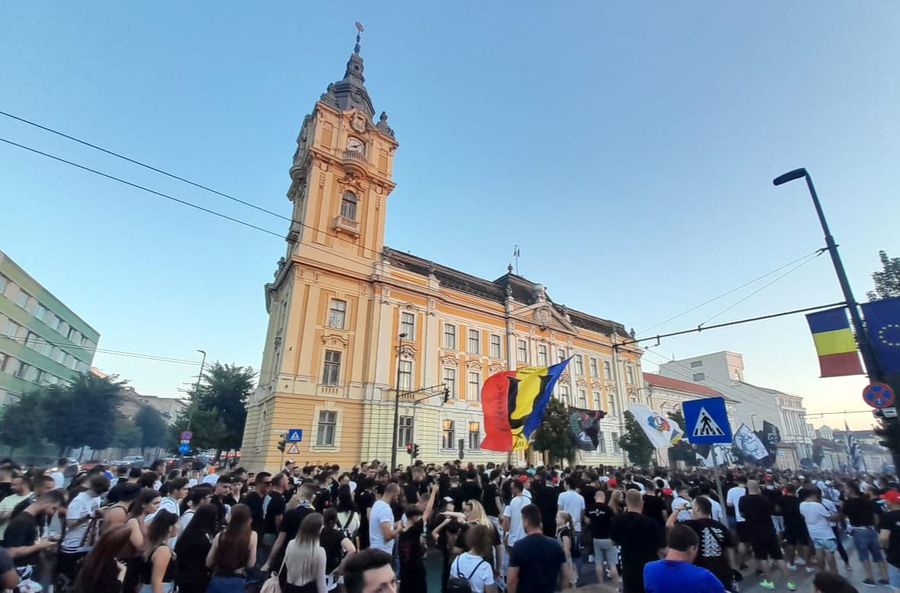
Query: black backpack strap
{"points": [[477, 566]]}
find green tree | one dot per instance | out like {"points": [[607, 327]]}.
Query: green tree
{"points": [[639, 448], [207, 425], [128, 435], [27, 412], [224, 390], [554, 435], [887, 281], [682, 450], [152, 426], [83, 412]]}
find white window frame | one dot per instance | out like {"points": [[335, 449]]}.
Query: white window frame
{"points": [[405, 374], [598, 400], [405, 436], [408, 325], [448, 434], [327, 420], [582, 398], [473, 386], [601, 440], [615, 443], [629, 374], [561, 354], [496, 346], [331, 369], [542, 355], [473, 342], [449, 376], [564, 394], [474, 435], [450, 335], [337, 314], [595, 370], [607, 370], [522, 351]]}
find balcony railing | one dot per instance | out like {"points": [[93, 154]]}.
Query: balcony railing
{"points": [[346, 225]]}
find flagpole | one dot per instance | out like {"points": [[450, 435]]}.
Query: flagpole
{"points": [[712, 450]]}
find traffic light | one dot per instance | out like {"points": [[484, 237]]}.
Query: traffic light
{"points": [[446, 394], [282, 442], [409, 449], [462, 450], [415, 451]]}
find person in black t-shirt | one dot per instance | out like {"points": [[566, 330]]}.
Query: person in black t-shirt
{"points": [[655, 507], [862, 512], [600, 517], [490, 499], [299, 507], [536, 561], [796, 536], [757, 512], [21, 539], [715, 552], [365, 498], [255, 499], [641, 539], [889, 536], [274, 509], [470, 487]]}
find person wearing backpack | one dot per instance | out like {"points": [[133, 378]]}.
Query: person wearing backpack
{"points": [[337, 547], [470, 572]]}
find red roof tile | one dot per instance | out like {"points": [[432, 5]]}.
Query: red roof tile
{"points": [[678, 385]]}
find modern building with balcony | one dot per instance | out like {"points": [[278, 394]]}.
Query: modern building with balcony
{"points": [[42, 341]]}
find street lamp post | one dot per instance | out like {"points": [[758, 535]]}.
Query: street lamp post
{"points": [[862, 336], [196, 388], [753, 422], [397, 405]]}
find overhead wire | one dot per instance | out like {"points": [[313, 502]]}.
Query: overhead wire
{"points": [[64, 346]]}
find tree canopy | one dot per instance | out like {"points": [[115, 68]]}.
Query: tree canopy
{"points": [[887, 281], [554, 435], [152, 427], [639, 448]]}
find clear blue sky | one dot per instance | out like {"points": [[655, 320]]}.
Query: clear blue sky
{"points": [[628, 151]]}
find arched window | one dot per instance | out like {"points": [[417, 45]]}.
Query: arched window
{"points": [[348, 206]]}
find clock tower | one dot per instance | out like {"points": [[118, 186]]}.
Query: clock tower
{"points": [[315, 373]]}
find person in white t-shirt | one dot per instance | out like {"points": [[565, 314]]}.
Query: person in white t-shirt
{"points": [[681, 504], [512, 514], [383, 530], [471, 565], [733, 500], [82, 525], [818, 518], [572, 502]]}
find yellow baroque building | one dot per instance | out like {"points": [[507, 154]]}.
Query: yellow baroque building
{"points": [[334, 361]]}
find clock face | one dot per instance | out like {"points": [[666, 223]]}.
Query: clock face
{"points": [[356, 145]]}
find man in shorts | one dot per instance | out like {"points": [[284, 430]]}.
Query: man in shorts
{"points": [[818, 518], [756, 509]]}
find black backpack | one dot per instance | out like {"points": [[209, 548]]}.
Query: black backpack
{"points": [[459, 583]]}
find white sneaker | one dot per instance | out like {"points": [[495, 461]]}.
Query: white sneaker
{"points": [[800, 562], [791, 567], [810, 570]]}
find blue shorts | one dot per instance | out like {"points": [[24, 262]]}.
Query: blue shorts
{"points": [[865, 540], [828, 544]]}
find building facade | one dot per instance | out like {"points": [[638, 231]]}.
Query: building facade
{"points": [[42, 341], [754, 405], [352, 323]]}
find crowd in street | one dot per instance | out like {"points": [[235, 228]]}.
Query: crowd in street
{"points": [[366, 529]]}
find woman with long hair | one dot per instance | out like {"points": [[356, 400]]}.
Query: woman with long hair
{"points": [[337, 547], [565, 534], [158, 557], [146, 504], [117, 514], [196, 496], [304, 559], [474, 564], [347, 515], [191, 574], [233, 551], [475, 515], [101, 569]]}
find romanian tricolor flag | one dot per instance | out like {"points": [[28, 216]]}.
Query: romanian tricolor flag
{"points": [[514, 403], [835, 343]]}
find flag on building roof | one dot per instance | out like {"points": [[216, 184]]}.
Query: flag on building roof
{"points": [[514, 403], [883, 326], [835, 343]]}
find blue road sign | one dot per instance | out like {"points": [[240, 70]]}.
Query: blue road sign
{"points": [[184, 449], [295, 435], [706, 421]]}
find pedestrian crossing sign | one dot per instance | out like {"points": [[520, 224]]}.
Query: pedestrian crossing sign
{"points": [[706, 421], [295, 435], [293, 449]]}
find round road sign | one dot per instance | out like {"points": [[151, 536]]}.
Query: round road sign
{"points": [[186, 435], [879, 395]]}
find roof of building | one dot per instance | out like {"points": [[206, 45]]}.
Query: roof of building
{"points": [[678, 385], [520, 289]]}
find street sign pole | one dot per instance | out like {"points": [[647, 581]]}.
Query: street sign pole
{"points": [[712, 450]]}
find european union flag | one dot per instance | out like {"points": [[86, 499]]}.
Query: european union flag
{"points": [[883, 325]]}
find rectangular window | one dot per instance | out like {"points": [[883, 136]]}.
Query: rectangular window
{"points": [[579, 365], [63, 328], [629, 375], [615, 442], [474, 435], [53, 321], [696, 363], [75, 336], [522, 352], [542, 355], [582, 398], [11, 366], [474, 341], [325, 430], [473, 387], [33, 341], [597, 404], [10, 328], [21, 298], [611, 400], [40, 311], [58, 355], [405, 431], [495, 346], [408, 325], [331, 375], [450, 381], [564, 394], [447, 435], [601, 440], [699, 376], [337, 313], [3, 283], [607, 370], [594, 369], [449, 336], [560, 355], [405, 374], [22, 371]]}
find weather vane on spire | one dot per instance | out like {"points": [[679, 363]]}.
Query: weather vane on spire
{"points": [[359, 30]]}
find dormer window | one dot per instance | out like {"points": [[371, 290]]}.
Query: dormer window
{"points": [[348, 206]]}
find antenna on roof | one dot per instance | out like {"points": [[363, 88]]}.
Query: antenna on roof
{"points": [[516, 254]]}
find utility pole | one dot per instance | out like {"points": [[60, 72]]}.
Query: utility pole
{"points": [[196, 388], [397, 405]]}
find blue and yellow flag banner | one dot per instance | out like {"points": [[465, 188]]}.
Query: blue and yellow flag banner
{"points": [[514, 403], [883, 326]]}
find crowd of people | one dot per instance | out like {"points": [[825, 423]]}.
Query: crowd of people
{"points": [[367, 529]]}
